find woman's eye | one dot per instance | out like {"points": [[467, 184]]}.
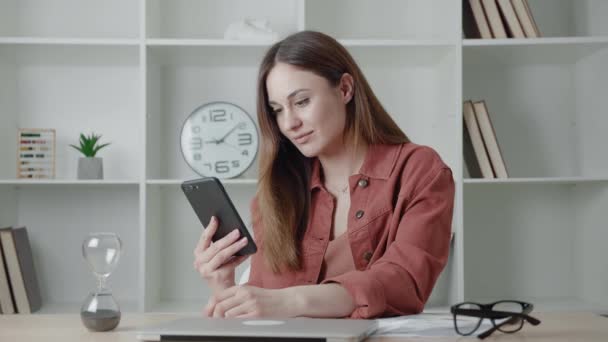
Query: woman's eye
{"points": [[302, 102], [275, 111]]}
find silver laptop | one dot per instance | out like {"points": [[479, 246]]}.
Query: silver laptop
{"points": [[292, 329]]}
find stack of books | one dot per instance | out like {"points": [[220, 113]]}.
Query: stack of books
{"points": [[482, 155], [489, 19], [19, 290]]}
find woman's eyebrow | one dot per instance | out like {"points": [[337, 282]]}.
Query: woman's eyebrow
{"points": [[292, 94]]}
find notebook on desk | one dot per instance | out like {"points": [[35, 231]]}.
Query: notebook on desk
{"points": [[293, 329]]}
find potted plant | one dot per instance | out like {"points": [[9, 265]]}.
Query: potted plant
{"points": [[89, 166]]}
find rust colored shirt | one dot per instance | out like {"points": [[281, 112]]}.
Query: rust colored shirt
{"points": [[399, 224]]}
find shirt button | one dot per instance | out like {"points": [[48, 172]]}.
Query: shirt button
{"points": [[367, 256], [359, 214], [363, 183]]}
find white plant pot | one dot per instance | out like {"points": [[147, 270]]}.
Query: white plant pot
{"points": [[90, 168]]}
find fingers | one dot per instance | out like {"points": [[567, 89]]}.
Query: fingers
{"points": [[215, 299], [230, 307], [221, 251], [206, 235], [226, 253]]}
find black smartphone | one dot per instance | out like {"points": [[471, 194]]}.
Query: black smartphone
{"points": [[208, 197]]}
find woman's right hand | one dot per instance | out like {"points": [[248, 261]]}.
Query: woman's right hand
{"points": [[215, 262]]}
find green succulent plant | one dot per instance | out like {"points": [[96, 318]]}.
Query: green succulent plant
{"points": [[88, 145]]}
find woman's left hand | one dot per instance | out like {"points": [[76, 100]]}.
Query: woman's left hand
{"points": [[249, 301]]}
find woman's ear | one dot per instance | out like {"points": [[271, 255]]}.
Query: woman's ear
{"points": [[347, 87]]}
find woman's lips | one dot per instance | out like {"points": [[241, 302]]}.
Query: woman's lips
{"points": [[303, 138]]}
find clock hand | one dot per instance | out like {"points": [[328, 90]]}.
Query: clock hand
{"points": [[221, 140], [230, 145]]}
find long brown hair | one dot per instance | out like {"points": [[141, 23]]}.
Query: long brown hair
{"points": [[284, 176]]}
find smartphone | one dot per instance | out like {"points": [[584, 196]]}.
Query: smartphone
{"points": [[208, 197]]}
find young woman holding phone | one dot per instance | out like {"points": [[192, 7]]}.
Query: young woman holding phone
{"points": [[351, 218]]}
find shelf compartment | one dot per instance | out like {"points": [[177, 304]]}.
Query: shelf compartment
{"points": [[172, 231], [73, 89], [209, 19], [565, 18], [406, 79], [393, 19], [543, 243], [70, 18], [58, 222], [546, 105], [182, 78]]}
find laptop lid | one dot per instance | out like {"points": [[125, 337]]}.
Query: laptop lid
{"points": [[291, 329]]}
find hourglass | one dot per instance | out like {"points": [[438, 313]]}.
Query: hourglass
{"points": [[100, 312]]}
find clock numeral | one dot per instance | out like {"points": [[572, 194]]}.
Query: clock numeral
{"points": [[222, 166], [235, 163], [197, 129], [209, 166], [197, 156], [217, 115], [245, 153], [245, 139], [196, 143], [204, 119]]}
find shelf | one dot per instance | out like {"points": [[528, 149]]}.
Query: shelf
{"points": [[267, 43], [102, 182], [68, 41], [399, 42], [224, 181], [206, 42], [575, 41], [547, 180]]}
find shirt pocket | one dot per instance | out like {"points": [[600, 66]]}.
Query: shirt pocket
{"points": [[379, 225]]}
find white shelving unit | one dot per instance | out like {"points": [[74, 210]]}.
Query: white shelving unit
{"points": [[134, 70]]}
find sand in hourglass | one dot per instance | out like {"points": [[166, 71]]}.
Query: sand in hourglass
{"points": [[102, 320]]}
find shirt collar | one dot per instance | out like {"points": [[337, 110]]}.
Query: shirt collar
{"points": [[379, 163]]}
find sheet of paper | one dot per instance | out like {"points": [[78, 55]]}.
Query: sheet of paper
{"points": [[425, 324]]}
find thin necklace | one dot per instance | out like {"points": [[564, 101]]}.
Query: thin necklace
{"points": [[343, 190]]}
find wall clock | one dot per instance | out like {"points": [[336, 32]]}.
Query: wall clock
{"points": [[219, 139]]}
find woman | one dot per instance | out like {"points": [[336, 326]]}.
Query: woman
{"points": [[351, 219]]}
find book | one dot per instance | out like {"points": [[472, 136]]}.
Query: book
{"points": [[524, 14], [475, 23], [489, 138], [6, 297], [510, 18], [494, 18], [21, 271], [477, 145]]}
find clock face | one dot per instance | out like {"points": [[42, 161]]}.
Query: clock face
{"points": [[219, 139]]}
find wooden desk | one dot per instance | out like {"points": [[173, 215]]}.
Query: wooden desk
{"points": [[36, 328]]}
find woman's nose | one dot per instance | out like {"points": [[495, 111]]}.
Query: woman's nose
{"points": [[292, 121]]}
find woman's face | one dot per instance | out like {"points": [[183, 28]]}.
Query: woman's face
{"points": [[308, 110]]}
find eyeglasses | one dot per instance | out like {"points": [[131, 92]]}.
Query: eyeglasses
{"points": [[507, 316]]}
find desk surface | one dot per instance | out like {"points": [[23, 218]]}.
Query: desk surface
{"points": [[36, 327]]}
